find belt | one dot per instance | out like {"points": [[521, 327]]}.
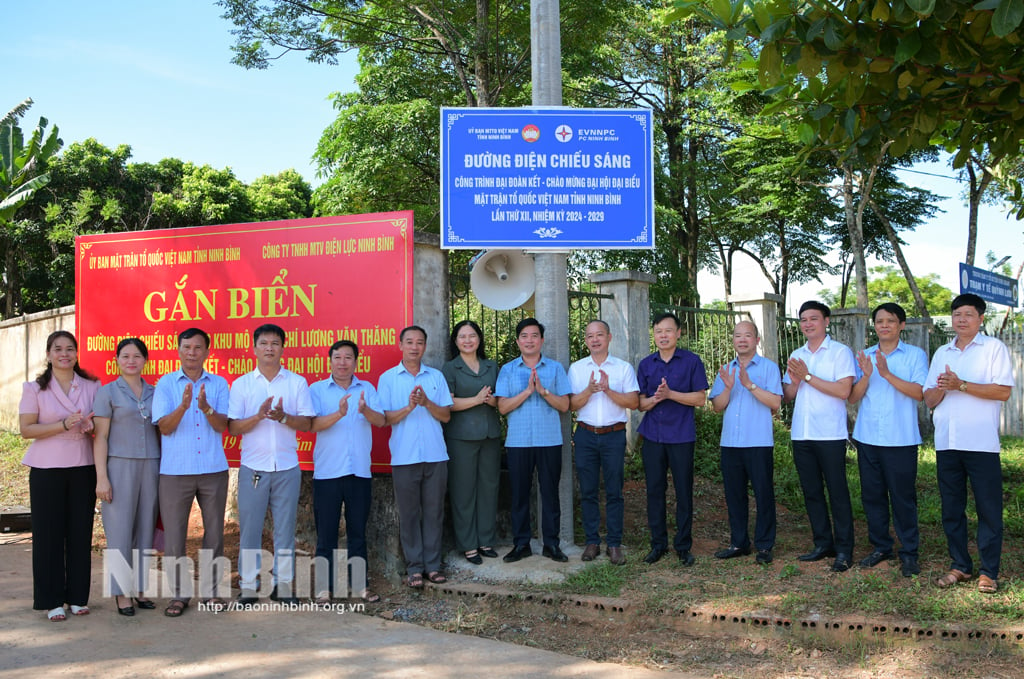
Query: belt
{"points": [[618, 426]]}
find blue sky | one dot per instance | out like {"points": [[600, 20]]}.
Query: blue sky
{"points": [[157, 76]]}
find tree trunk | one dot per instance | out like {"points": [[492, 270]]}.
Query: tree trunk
{"points": [[922, 308], [974, 195], [855, 228]]}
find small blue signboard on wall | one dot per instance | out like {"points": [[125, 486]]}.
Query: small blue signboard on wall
{"points": [[547, 178], [988, 285]]}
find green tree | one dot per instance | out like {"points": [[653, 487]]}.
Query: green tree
{"points": [[205, 196], [23, 171], [888, 284], [285, 195]]}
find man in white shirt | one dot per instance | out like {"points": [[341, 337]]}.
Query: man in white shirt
{"points": [[819, 376], [266, 407], [603, 389], [967, 383]]}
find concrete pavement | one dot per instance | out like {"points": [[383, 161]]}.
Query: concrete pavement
{"points": [[253, 645]]}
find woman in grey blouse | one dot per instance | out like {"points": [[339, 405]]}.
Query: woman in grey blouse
{"points": [[127, 452], [473, 438]]}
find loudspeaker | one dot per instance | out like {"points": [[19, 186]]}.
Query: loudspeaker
{"points": [[502, 279]]}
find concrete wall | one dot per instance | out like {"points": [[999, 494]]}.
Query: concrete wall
{"points": [[23, 348]]}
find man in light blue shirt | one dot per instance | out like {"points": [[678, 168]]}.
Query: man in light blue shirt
{"points": [[345, 407], [190, 408], [533, 391], [749, 390], [416, 401], [890, 384]]}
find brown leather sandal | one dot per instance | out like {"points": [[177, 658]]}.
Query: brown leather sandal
{"points": [[953, 577]]}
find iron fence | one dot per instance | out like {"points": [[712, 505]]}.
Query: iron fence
{"points": [[706, 332]]}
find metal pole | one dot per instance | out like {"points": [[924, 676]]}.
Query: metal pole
{"points": [[552, 294]]}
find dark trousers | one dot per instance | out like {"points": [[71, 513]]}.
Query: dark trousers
{"points": [[658, 459], [821, 465], [888, 477], [63, 505], [598, 454], [474, 473], [355, 492], [419, 494], [755, 466], [547, 460], [177, 492], [954, 468]]}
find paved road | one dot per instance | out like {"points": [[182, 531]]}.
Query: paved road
{"points": [[253, 645]]}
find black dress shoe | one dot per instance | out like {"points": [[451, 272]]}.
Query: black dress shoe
{"points": [[517, 553], [474, 558], [288, 600], [145, 604], [685, 558], [488, 552], [732, 552], [764, 556], [128, 610], [655, 554], [874, 558], [842, 563], [909, 566], [555, 554], [247, 598], [817, 554]]}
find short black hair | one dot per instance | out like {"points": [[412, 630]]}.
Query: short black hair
{"points": [[893, 308], [135, 342], [969, 299], [269, 329], [815, 305], [666, 314], [453, 347], [192, 332], [401, 335], [343, 343], [526, 323]]}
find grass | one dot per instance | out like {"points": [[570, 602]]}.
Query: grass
{"points": [[13, 474]]}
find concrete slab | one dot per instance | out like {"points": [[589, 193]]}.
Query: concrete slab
{"points": [[253, 645]]}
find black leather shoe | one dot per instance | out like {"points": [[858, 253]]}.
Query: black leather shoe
{"points": [[909, 566], [474, 558], [655, 555], [145, 604], [518, 553], [288, 600], [554, 553], [764, 556], [817, 554], [874, 558], [128, 610], [842, 563], [685, 558], [247, 598], [488, 552], [732, 552]]}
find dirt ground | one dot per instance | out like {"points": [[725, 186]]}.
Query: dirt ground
{"points": [[681, 631]]}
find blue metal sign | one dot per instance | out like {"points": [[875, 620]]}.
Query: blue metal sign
{"points": [[547, 178], [988, 285]]}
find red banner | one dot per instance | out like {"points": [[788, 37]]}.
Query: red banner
{"points": [[322, 280]]}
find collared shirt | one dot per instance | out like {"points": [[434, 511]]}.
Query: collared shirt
{"points": [[668, 421], [746, 422], [344, 447], [964, 421], [132, 432], [888, 417], [479, 422], [68, 448], [534, 423], [600, 410], [816, 415], [418, 437], [270, 446], [194, 447]]}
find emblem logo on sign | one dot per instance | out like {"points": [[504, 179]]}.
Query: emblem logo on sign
{"points": [[531, 133], [563, 133]]}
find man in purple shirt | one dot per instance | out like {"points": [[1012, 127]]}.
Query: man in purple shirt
{"points": [[672, 383]]}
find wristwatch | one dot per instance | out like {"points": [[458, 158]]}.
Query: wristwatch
{"points": [[209, 410], [963, 387], [807, 377], [752, 387]]}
